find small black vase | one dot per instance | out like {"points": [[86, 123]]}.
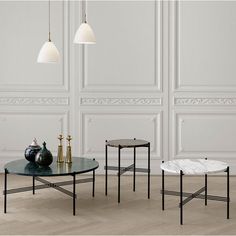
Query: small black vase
{"points": [[31, 167], [44, 156], [31, 151]]}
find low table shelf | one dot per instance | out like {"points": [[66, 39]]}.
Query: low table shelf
{"points": [[79, 165], [193, 167]]}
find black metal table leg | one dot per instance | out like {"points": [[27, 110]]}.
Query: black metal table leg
{"points": [[228, 192], [93, 182], [134, 169], [119, 148], [106, 170], [181, 197], [206, 190], [33, 184], [163, 189], [148, 170], [5, 191], [74, 196]]}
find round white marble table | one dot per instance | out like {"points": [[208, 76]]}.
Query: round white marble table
{"points": [[194, 166]]}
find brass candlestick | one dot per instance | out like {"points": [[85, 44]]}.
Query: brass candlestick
{"points": [[68, 150], [60, 157], [68, 167], [60, 167]]}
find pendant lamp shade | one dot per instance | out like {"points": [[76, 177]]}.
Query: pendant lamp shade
{"points": [[48, 53], [85, 34]]}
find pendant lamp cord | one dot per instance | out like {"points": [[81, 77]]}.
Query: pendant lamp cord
{"points": [[49, 21], [85, 10]]}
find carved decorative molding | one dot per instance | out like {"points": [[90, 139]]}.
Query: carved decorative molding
{"points": [[32, 101], [205, 101], [121, 101]]}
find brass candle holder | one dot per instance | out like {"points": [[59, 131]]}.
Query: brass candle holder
{"points": [[60, 167], [60, 157], [68, 167], [68, 150]]}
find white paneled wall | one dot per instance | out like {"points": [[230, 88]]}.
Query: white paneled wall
{"points": [[202, 77], [161, 70]]}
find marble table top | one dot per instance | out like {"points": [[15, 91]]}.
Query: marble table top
{"points": [[127, 143], [194, 166]]}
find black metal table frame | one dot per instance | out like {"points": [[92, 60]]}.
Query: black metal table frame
{"points": [[197, 194], [47, 184], [122, 170]]}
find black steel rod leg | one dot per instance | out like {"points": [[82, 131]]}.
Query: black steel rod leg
{"points": [[106, 169], [163, 189], [5, 192], [93, 183], [228, 192], [33, 184], [205, 190], [181, 197], [134, 169], [119, 173], [149, 170], [74, 196], [206, 187]]}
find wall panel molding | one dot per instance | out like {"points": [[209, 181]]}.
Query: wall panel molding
{"points": [[32, 101], [202, 134], [18, 137], [204, 101], [92, 124], [63, 86], [121, 101], [178, 84], [157, 86]]}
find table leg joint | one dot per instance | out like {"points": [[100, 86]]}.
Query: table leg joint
{"points": [[200, 196], [129, 168], [48, 185]]}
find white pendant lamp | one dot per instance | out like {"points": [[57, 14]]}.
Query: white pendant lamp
{"points": [[85, 34], [48, 53]]}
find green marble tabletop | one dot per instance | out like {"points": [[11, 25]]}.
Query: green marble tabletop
{"points": [[79, 165]]}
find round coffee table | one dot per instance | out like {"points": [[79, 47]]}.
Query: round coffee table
{"points": [[79, 165], [127, 143], [194, 167]]}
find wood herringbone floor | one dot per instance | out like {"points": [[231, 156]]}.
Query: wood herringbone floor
{"points": [[50, 212]]}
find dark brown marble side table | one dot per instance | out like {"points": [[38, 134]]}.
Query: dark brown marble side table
{"points": [[126, 143]]}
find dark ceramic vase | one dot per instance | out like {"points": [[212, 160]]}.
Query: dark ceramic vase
{"points": [[31, 167], [31, 151], [44, 156]]}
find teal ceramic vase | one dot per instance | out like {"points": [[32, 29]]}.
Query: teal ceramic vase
{"points": [[44, 156]]}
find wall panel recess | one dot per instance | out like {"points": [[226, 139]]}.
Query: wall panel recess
{"points": [[98, 127], [24, 29], [204, 45], [19, 128], [128, 37], [199, 134]]}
